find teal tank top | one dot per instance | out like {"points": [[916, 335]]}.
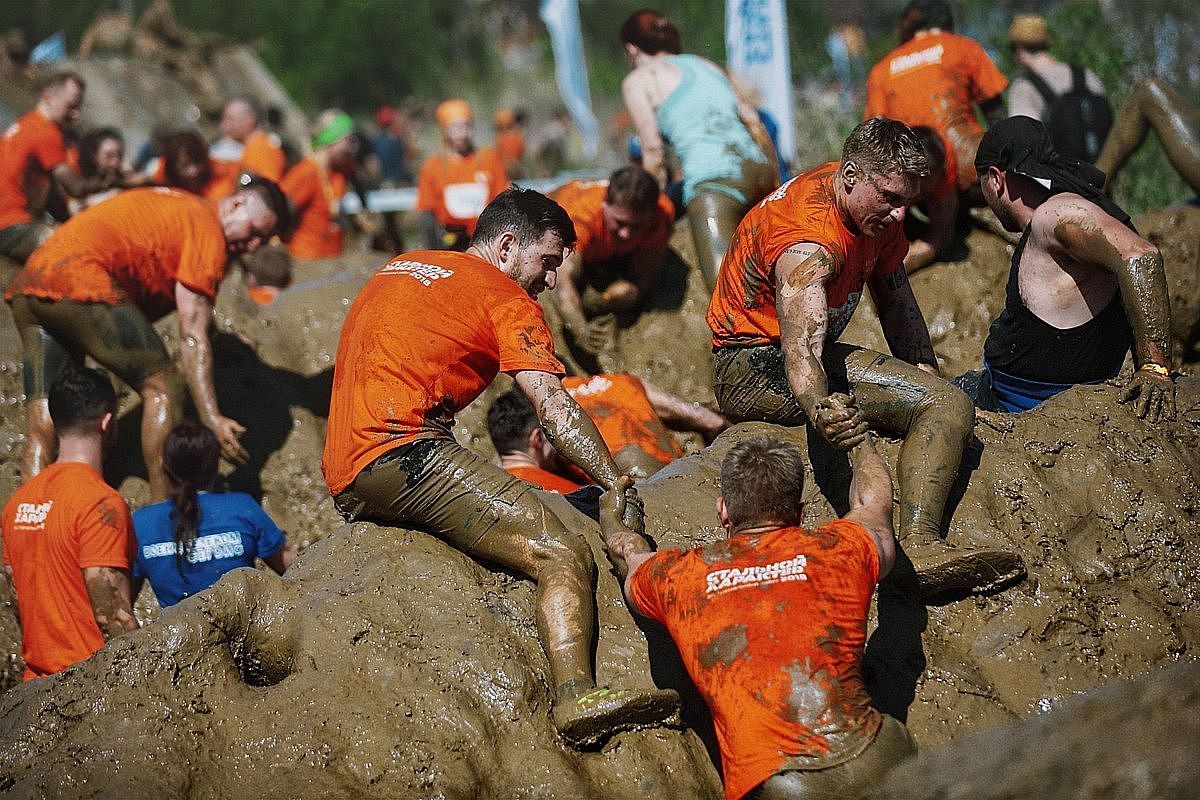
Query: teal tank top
{"points": [[700, 121]]}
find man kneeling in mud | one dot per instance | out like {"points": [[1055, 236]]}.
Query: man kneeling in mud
{"points": [[787, 288], [425, 337], [771, 623]]}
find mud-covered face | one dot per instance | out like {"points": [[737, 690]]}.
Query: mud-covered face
{"points": [[877, 201], [533, 266], [624, 224]]}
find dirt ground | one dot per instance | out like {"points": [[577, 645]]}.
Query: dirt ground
{"points": [[387, 664]]}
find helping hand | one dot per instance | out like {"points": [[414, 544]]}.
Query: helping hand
{"points": [[1154, 393], [838, 418]]}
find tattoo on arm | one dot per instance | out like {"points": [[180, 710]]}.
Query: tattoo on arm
{"points": [[804, 319]]}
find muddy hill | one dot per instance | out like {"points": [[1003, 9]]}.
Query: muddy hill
{"points": [[387, 664]]}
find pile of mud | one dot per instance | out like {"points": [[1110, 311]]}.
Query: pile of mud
{"points": [[388, 664]]}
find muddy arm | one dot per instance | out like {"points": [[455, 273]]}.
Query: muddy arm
{"points": [[77, 186], [566, 292], [900, 317], [800, 277], [283, 558], [568, 427], [871, 500], [108, 591], [195, 355], [682, 415], [626, 549]]}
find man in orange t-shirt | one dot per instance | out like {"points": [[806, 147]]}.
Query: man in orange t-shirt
{"points": [[771, 622], [623, 224], [100, 281], [33, 154], [68, 537], [936, 78], [788, 286], [317, 185], [262, 153], [425, 337], [509, 142], [454, 185]]}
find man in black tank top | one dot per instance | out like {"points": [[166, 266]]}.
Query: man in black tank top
{"points": [[1084, 287]]}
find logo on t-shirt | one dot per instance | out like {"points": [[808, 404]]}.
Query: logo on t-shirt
{"points": [[211, 547], [31, 516], [425, 273], [597, 384], [930, 55], [724, 580]]}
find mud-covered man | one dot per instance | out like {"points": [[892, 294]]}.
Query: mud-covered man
{"points": [[788, 286], [771, 622], [100, 281], [425, 337], [1083, 289], [623, 224]]}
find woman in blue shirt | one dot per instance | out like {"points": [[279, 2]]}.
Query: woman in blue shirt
{"points": [[722, 146], [189, 541]]}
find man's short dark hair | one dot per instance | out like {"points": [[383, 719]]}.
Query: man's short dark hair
{"points": [[79, 397], [762, 481], [270, 266], [886, 147], [270, 193], [929, 14], [60, 79], [526, 214], [633, 188], [510, 420]]}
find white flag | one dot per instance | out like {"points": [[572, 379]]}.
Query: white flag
{"points": [[756, 46]]}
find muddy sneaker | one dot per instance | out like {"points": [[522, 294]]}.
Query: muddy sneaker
{"points": [[602, 712], [938, 566]]}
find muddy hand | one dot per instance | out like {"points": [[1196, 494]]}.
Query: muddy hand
{"points": [[228, 431], [633, 513], [1153, 394], [613, 506], [840, 421]]}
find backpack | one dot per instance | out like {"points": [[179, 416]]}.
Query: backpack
{"points": [[1078, 120]]}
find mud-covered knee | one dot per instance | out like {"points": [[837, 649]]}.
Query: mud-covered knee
{"points": [[565, 547], [952, 409]]}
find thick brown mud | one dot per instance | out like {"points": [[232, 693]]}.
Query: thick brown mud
{"points": [[387, 664]]}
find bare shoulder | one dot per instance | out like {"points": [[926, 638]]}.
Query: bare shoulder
{"points": [[635, 81], [1065, 208]]}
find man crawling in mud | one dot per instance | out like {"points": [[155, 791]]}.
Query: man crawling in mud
{"points": [[1083, 288], [97, 285], [771, 622], [425, 337], [786, 290]]}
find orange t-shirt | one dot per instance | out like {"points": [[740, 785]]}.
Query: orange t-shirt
{"points": [[456, 188], [622, 412], [318, 194], [263, 156], [933, 79], [771, 629], [947, 184], [742, 311], [30, 149], [510, 144], [60, 522], [426, 335], [583, 202], [544, 479], [132, 248], [222, 184]]}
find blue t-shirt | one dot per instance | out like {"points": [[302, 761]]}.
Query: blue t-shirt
{"points": [[234, 530]]}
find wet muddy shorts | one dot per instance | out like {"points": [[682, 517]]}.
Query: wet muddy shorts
{"points": [[750, 382], [19, 241], [854, 778], [440, 486], [54, 332]]}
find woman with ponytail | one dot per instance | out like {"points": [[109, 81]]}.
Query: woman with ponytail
{"points": [[188, 541], [688, 102]]}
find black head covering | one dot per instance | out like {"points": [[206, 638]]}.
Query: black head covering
{"points": [[1022, 145]]}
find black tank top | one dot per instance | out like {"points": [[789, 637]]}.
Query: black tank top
{"points": [[1021, 344]]}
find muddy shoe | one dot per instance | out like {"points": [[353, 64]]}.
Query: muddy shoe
{"points": [[602, 712], [935, 566]]}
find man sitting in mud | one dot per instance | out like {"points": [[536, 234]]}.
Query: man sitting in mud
{"points": [[771, 622], [635, 418], [100, 281], [425, 337], [786, 290], [623, 225], [1083, 287]]}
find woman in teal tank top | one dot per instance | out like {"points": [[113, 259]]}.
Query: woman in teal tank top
{"points": [[687, 102]]}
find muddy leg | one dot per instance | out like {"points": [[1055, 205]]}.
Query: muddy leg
{"points": [[714, 217], [44, 358], [1154, 104], [162, 409]]}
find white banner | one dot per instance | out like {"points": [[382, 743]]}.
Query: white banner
{"points": [[756, 47], [570, 71]]}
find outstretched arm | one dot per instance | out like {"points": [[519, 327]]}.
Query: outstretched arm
{"points": [[900, 317], [682, 415], [627, 549], [568, 427], [871, 500], [108, 591], [195, 355], [1082, 232]]}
